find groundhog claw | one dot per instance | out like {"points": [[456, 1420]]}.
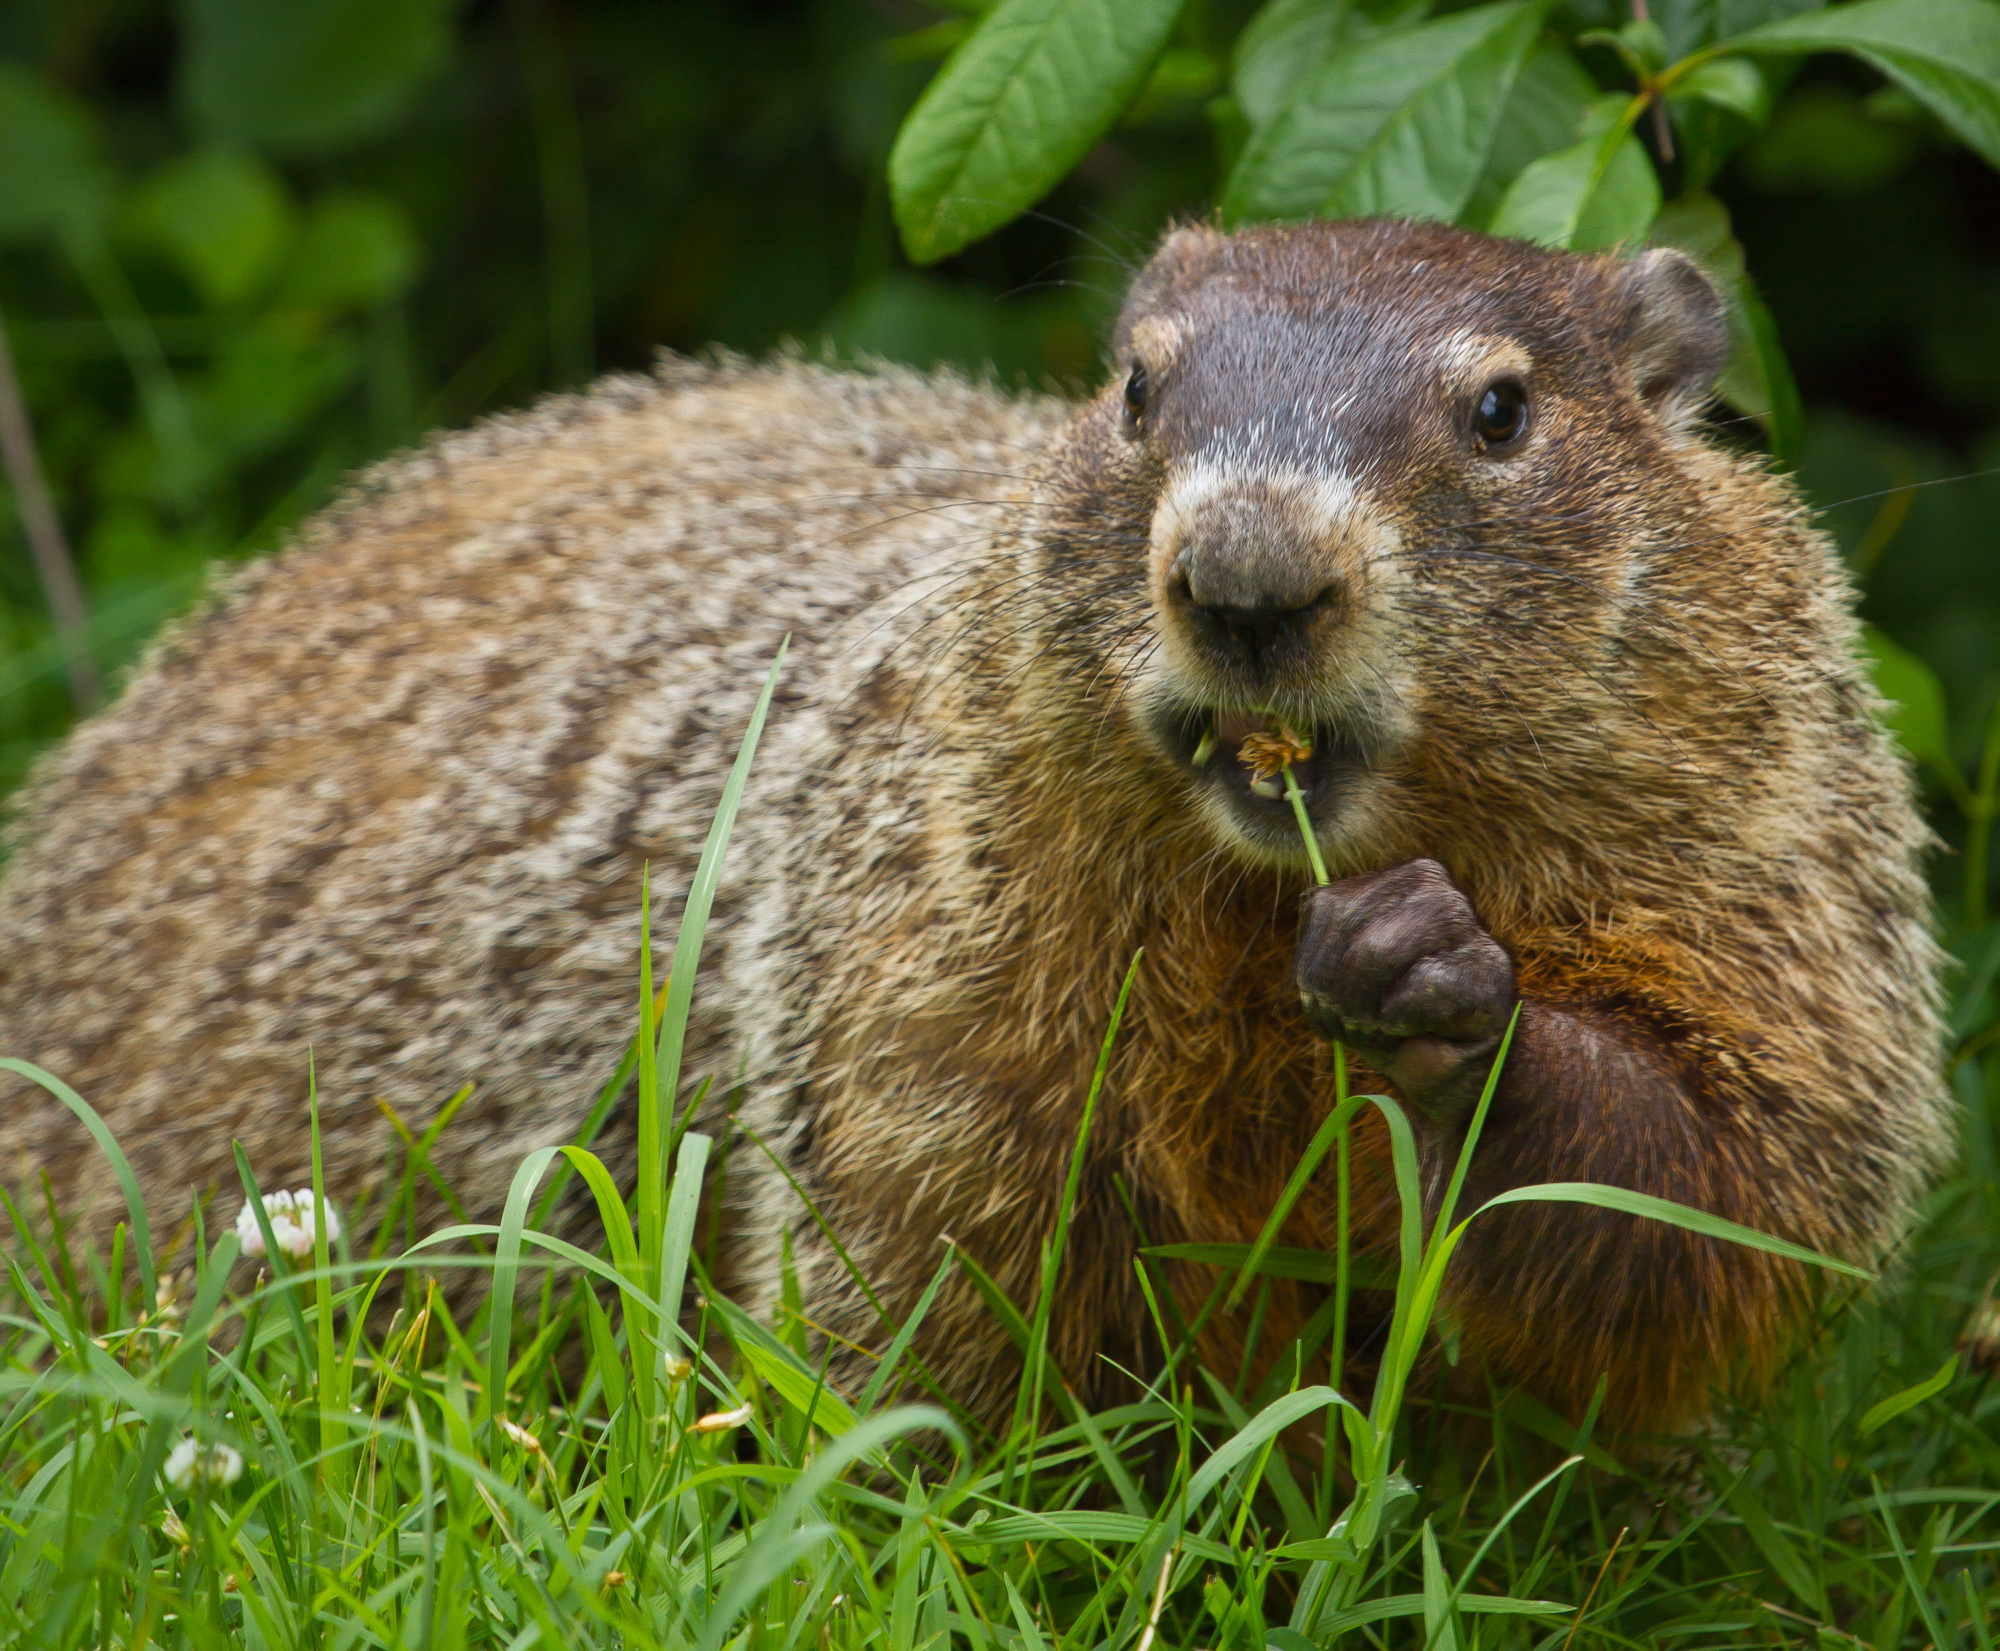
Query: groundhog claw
{"points": [[1397, 965]]}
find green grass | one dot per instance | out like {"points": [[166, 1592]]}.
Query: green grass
{"points": [[443, 1479]]}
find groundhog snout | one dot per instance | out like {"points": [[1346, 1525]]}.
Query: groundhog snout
{"points": [[1265, 628], [1257, 575]]}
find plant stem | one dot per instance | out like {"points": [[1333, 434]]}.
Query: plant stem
{"points": [[43, 528], [1979, 811], [1305, 827]]}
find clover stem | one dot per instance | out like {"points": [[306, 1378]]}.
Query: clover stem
{"points": [[1305, 826]]}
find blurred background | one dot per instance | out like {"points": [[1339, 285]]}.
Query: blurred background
{"points": [[246, 247]]}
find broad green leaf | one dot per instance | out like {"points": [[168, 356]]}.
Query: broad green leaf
{"points": [[1674, 1215], [1639, 42], [1945, 53], [1690, 25], [1399, 124], [1896, 1403], [222, 215], [1551, 96], [1770, 381], [1015, 108], [50, 175], [1730, 83], [1715, 111], [1280, 44], [358, 250], [1758, 380], [307, 74], [1699, 226], [1598, 192], [1288, 39], [1916, 698]]}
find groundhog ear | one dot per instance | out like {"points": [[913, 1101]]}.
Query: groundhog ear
{"points": [[1675, 331], [1183, 262]]}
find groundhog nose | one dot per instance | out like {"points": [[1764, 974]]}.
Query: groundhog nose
{"points": [[1259, 635]]}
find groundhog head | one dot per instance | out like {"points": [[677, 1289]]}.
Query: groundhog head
{"points": [[1355, 459]]}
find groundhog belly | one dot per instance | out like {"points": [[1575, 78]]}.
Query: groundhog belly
{"points": [[384, 805]]}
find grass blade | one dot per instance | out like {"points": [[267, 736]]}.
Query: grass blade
{"points": [[100, 1132]]}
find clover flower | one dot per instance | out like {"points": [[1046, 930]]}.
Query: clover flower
{"points": [[293, 1217], [521, 1436], [717, 1421], [1268, 755], [190, 1463]]}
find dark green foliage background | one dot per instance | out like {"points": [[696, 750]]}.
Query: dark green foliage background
{"points": [[244, 248]]}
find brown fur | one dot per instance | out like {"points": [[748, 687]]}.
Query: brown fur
{"points": [[389, 797]]}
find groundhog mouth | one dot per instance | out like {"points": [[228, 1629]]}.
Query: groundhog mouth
{"points": [[1208, 744]]}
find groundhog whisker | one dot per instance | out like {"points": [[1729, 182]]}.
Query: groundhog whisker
{"points": [[1126, 264], [1905, 487]]}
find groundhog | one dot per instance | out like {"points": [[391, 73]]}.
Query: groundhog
{"points": [[1587, 732]]}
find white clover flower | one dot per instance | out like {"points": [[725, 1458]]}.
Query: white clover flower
{"points": [[521, 1436], [190, 1462], [719, 1420], [293, 1219]]}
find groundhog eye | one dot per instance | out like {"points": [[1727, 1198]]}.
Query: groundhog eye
{"points": [[1135, 393], [1503, 413]]}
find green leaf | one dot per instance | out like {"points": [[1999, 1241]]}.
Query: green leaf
{"points": [[1674, 1215], [1916, 698], [107, 1143], [1730, 83], [1552, 95], [1945, 53], [222, 215], [1288, 39], [1598, 192], [1896, 1403], [1438, 1631], [1392, 1606], [1758, 380], [51, 177], [307, 74], [1690, 25], [781, 1370], [1773, 395], [1015, 108], [1313, 1266], [1268, 1423], [1282, 43], [1776, 1547], [1086, 1525], [358, 251], [1401, 123]]}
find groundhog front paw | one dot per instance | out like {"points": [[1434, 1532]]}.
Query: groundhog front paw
{"points": [[1397, 966]]}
